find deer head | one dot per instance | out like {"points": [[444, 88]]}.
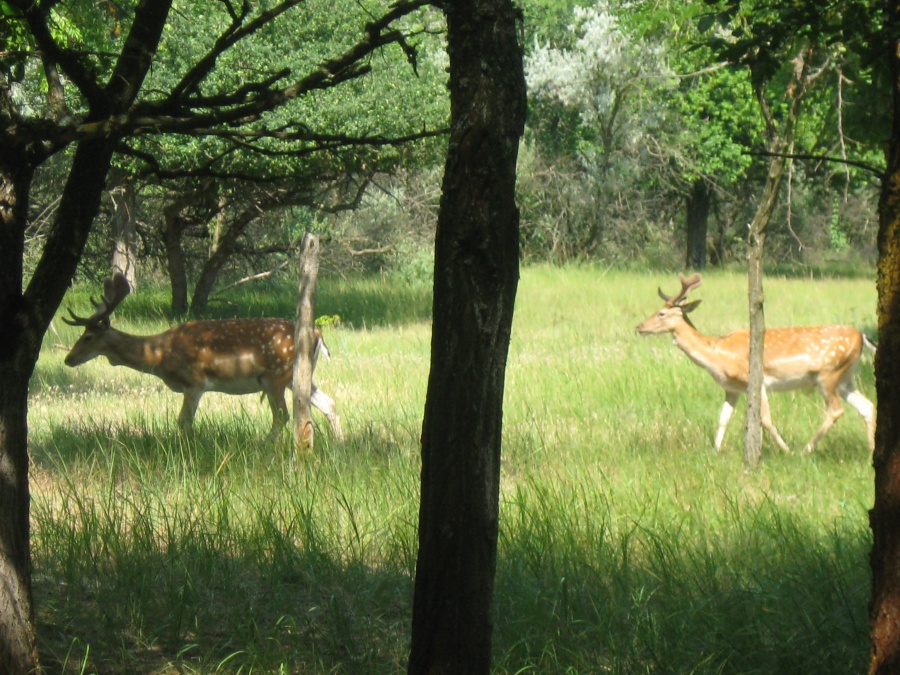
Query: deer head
{"points": [[675, 310], [92, 343]]}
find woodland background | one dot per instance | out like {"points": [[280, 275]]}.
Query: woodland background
{"points": [[643, 148]]}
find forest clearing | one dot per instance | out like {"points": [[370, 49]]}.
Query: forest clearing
{"points": [[626, 544]]}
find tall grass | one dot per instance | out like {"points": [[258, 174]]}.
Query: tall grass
{"points": [[627, 545]]}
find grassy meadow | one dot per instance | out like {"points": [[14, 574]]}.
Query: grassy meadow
{"points": [[626, 545]]}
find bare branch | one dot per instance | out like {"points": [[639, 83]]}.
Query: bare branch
{"points": [[252, 277], [825, 158]]}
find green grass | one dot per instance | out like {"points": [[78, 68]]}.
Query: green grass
{"points": [[626, 545]]}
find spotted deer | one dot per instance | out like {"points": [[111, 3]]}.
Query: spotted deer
{"points": [[801, 357], [232, 356]]}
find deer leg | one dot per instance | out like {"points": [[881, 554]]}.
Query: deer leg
{"points": [[279, 410], [766, 419], [189, 408], [326, 404], [833, 410], [725, 414], [865, 408]]}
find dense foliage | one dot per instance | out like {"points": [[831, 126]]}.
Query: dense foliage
{"points": [[632, 109]]}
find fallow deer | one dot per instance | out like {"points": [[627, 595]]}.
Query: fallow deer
{"points": [[826, 357], [233, 356]]}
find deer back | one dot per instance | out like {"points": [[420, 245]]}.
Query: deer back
{"points": [[799, 351], [229, 355]]}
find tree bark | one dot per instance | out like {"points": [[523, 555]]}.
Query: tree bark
{"points": [[475, 281], [123, 228], [226, 243], [173, 228], [25, 315], [697, 206], [778, 142], [303, 344], [756, 307], [884, 518], [18, 640]]}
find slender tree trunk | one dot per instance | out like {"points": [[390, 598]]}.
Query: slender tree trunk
{"points": [[124, 230], [884, 518], [756, 305], [303, 344], [697, 206], [173, 229], [778, 143], [476, 275]]}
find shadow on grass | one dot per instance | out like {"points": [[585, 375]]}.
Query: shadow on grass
{"points": [[654, 604], [359, 302], [214, 552], [649, 604], [195, 607], [248, 567]]}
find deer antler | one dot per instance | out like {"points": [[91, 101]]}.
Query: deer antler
{"points": [[115, 289], [687, 285]]}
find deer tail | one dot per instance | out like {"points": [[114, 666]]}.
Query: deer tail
{"points": [[868, 344]]}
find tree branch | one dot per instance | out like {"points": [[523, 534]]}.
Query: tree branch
{"points": [[234, 34], [250, 102], [824, 158], [52, 54]]}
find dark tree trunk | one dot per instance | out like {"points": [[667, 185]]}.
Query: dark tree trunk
{"points": [[884, 518], [18, 650], [25, 317], [698, 203], [476, 275], [173, 228], [226, 243]]}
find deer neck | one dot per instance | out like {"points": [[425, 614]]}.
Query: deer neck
{"points": [[703, 350], [140, 352]]}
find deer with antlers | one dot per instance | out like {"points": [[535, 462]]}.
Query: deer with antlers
{"points": [[233, 356], [802, 357]]}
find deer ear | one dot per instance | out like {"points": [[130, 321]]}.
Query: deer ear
{"points": [[689, 307]]}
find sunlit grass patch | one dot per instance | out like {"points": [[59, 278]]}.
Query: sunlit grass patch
{"points": [[626, 544]]}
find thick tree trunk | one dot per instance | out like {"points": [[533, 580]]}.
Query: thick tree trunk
{"points": [[885, 515], [25, 317], [697, 206], [884, 518], [476, 275], [18, 641], [18, 651]]}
